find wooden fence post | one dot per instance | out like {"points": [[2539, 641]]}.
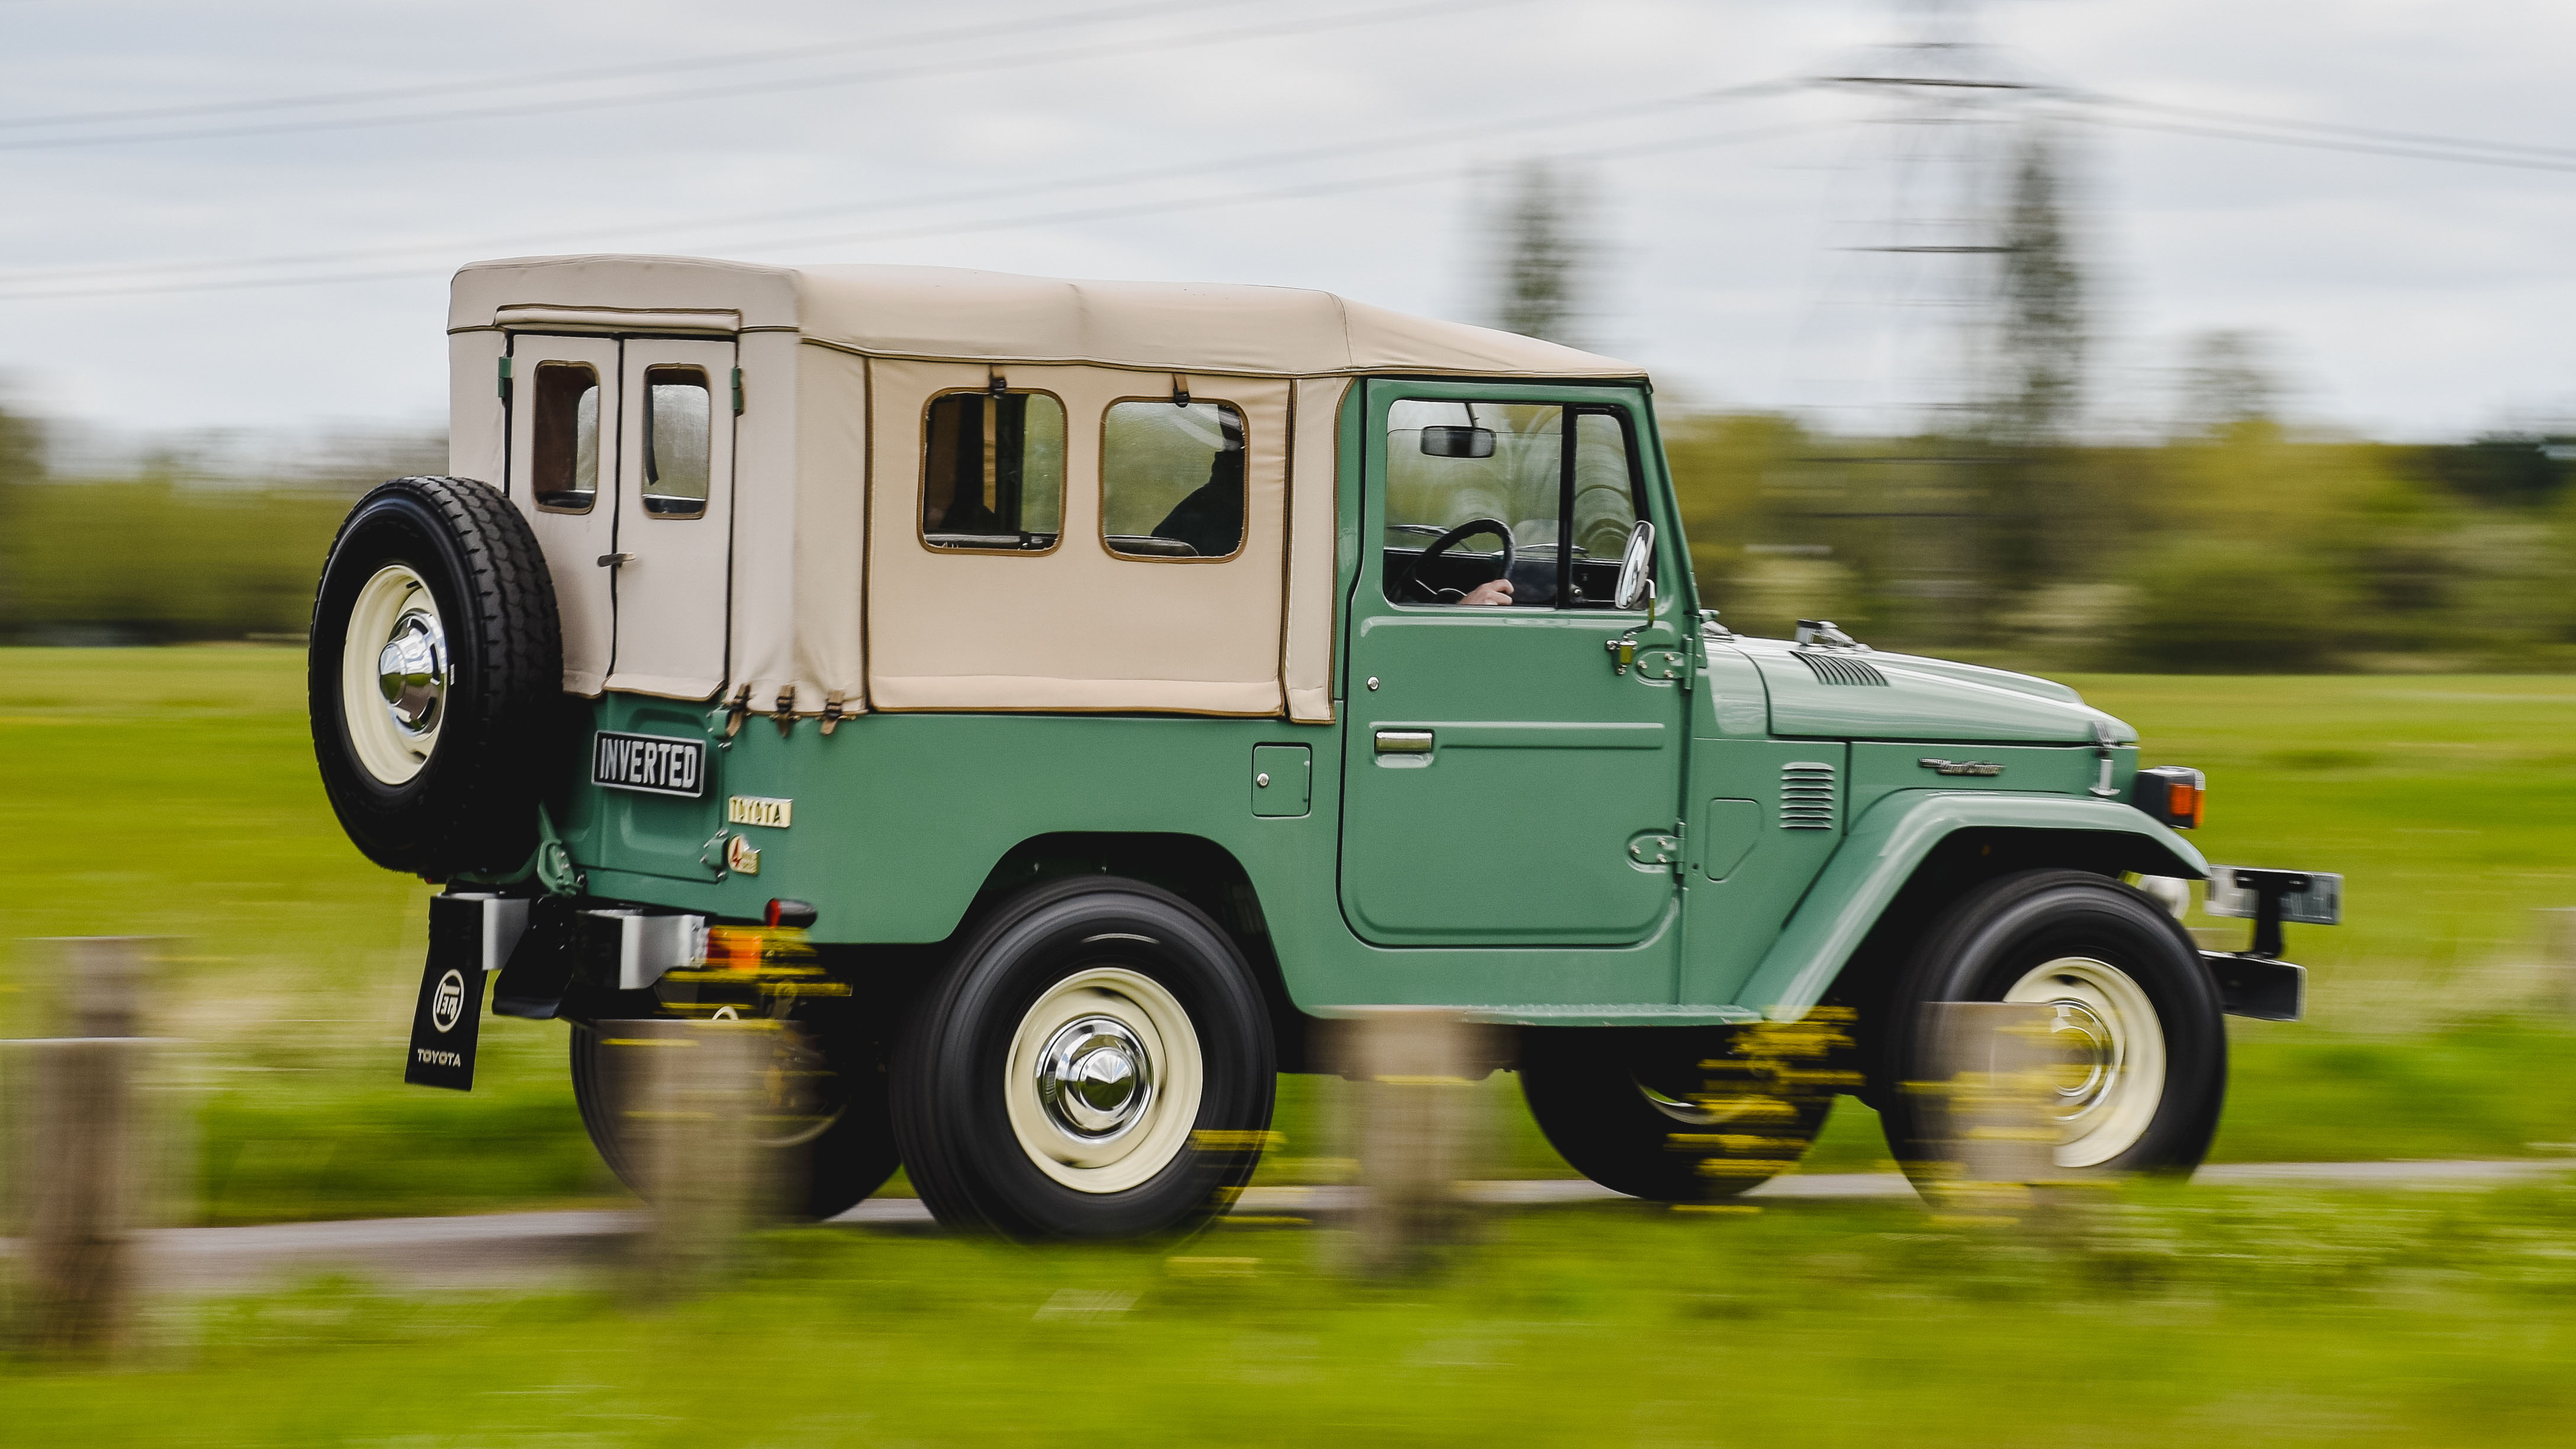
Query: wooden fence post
{"points": [[83, 1154], [1995, 1067], [1416, 1119], [692, 1102], [2558, 954]]}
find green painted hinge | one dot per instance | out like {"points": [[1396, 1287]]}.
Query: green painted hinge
{"points": [[505, 382], [737, 392]]}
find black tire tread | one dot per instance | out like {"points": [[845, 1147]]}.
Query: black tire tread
{"points": [[515, 650], [2176, 1145]]}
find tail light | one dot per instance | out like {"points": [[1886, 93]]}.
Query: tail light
{"points": [[2172, 794]]}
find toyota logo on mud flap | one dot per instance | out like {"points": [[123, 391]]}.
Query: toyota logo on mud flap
{"points": [[449, 1003]]}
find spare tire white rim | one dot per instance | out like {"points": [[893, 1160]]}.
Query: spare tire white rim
{"points": [[394, 675], [1103, 1080], [2113, 1073]]}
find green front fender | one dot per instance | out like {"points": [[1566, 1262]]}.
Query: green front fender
{"points": [[1891, 840]]}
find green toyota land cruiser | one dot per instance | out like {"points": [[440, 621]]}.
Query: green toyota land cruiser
{"points": [[1054, 702]]}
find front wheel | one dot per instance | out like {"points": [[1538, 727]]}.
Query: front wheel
{"points": [[1667, 1114], [2139, 1021], [1096, 1062]]}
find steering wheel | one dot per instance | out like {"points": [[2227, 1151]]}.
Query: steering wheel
{"points": [[1411, 583]]}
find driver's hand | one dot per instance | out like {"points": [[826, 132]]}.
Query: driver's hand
{"points": [[1496, 591]]}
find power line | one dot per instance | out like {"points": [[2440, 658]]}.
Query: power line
{"points": [[923, 70], [2327, 143], [2368, 133], [595, 73], [702, 225], [1292, 191]]}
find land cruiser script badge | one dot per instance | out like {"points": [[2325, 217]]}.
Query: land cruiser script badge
{"points": [[656, 764]]}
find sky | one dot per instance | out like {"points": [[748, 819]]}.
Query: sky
{"points": [[184, 254]]}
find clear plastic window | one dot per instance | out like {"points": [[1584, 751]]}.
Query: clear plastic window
{"points": [[1464, 478], [1171, 479], [564, 472], [993, 471], [1605, 499], [677, 409]]}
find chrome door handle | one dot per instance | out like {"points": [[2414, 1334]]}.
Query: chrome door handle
{"points": [[1404, 742]]}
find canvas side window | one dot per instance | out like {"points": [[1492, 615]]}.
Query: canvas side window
{"points": [[992, 472], [677, 407], [1171, 479], [565, 470]]}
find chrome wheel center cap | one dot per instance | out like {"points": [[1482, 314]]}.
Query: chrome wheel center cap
{"points": [[1095, 1077], [411, 672], [2086, 1039]]}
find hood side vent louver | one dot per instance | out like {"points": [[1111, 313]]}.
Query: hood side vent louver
{"points": [[1806, 796], [1836, 669]]}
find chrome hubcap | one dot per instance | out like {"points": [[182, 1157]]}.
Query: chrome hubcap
{"points": [[2089, 1054], [411, 672], [1095, 1077], [2112, 1047]]}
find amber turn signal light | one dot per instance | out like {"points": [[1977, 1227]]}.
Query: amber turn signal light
{"points": [[2174, 794]]}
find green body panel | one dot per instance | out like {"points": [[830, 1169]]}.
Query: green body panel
{"points": [[1493, 873], [1885, 845]]}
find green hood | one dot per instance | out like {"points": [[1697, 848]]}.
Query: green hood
{"points": [[1854, 695]]}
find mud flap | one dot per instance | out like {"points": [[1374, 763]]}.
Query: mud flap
{"points": [[468, 936]]}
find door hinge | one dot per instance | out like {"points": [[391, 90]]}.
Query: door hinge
{"points": [[503, 384], [1655, 848], [737, 392]]}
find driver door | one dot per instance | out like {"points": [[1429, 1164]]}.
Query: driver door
{"points": [[1503, 785]]}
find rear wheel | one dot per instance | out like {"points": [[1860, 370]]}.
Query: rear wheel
{"points": [[825, 1113], [1673, 1115], [2133, 1010], [1095, 1063]]}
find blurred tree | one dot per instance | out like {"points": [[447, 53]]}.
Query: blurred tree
{"points": [[2038, 514], [2041, 333], [1724, 466], [20, 464], [2230, 605], [2228, 379], [1541, 254]]}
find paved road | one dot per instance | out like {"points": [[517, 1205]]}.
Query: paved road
{"points": [[516, 1247]]}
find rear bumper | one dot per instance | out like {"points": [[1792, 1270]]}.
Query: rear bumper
{"points": [[2257, 987]]}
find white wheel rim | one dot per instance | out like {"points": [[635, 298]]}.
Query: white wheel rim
{"points": [[1105, 1018], [2115, 1079], [394, 675]]}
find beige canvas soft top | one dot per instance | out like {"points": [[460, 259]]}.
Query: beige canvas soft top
{"points": [[806, 587], [953, 314]]}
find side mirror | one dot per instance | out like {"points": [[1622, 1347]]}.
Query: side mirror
{"points": [[1636, 568], [1457, 442]]}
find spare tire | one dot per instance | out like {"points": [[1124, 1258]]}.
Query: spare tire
{"points": [[435, 670]]}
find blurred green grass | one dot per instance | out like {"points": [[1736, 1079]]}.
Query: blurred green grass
{"points": [[171, 792], [2150, 1318]]}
